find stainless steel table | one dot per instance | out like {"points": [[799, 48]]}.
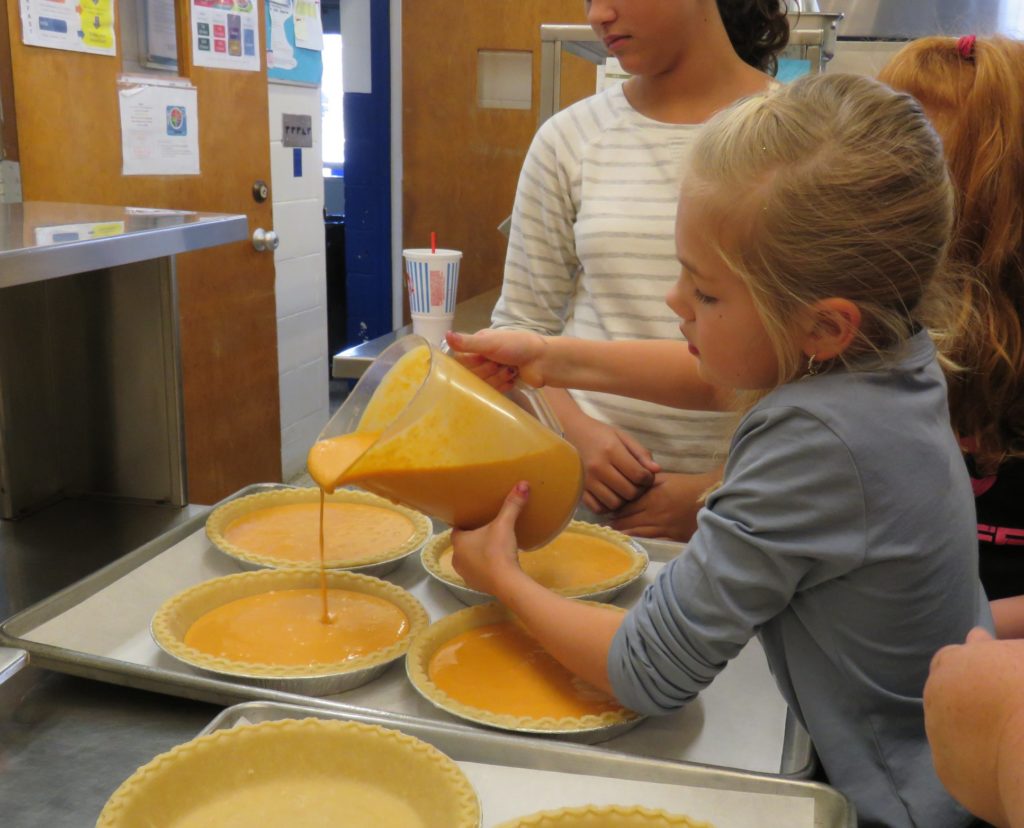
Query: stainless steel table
{"points": [[66, 743], [470, 315]]}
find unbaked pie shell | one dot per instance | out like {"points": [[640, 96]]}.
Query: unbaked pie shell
{"points": [[604, 590], [605, 816], [375, 563], [177, 614], [176, 784], [596, 727]]}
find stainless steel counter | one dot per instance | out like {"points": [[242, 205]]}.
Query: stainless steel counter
{"points": [[470, 315], [67, 743]]}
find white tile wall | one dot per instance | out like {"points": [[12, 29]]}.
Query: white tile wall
{"points": [[301, 280]]}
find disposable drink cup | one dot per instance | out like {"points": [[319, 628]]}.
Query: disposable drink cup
{"points": [[432, 278], [432, 327], [423, 430]]}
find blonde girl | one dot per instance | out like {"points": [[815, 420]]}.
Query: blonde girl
{"points": [[812, 230], [973, 91]]}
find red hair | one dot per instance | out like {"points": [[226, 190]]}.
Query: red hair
{"points": [[976, 103]]}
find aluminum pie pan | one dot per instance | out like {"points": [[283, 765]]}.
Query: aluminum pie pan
{"points": [[165, 630], [472, 597], [238, 506], [467, 618]]}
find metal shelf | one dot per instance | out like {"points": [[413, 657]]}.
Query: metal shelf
{"points": [[32, 249]]}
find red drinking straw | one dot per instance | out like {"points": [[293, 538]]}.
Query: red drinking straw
{"points": [[433, 242]]}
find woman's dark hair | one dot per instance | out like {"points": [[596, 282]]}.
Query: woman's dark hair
{"points": [[758, 30]]}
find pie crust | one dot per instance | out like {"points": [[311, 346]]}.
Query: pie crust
{"points": [[605, 816], [176, 616], [373, 560], [427, 643], [300, 773], [603, 590]]}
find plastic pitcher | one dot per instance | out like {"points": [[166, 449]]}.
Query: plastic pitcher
{"points": [[423, 430]]}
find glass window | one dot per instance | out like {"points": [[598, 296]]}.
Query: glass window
{"points": [[331, 95]]}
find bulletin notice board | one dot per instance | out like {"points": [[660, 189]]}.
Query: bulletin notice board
{"points": [[294, 41]]}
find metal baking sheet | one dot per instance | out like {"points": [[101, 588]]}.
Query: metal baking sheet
{"points": [[514, 777], [99, 629]]}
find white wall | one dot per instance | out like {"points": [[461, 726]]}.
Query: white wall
{"points": [[862, 57], [301, 279]]}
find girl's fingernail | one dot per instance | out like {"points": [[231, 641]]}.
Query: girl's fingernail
{"points": [[523, 487]]}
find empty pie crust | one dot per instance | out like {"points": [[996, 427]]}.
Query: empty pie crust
{"points": [[427, 643], [548, 570], [297, 772], [605, 816], [176, 616], [359, 548]]}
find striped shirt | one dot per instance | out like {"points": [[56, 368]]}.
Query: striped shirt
{"points": [[591, 254]]}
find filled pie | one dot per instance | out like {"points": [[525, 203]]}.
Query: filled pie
{"points": [[604, 816], [303, 773], [481, 665], [281, 529], [270, 625], [584, 561]]}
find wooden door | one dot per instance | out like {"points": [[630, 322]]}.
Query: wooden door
{"points": [[462, 162], [69, 142]]}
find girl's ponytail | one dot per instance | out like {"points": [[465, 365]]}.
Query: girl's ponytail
{"points": [[758, 30]]}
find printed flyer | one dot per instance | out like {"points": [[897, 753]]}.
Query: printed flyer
{"points": [[159, 126]]}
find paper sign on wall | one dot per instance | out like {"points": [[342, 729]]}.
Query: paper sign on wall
{"points": [[82, 26], [296, 130], [159, 126]]}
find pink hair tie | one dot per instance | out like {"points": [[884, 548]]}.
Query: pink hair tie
{"points": [[965, 46]]}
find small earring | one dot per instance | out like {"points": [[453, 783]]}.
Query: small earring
{"points": [[813, 366]]}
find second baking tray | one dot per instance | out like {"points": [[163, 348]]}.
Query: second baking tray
{"points": [[514, 777], [99, 629]]}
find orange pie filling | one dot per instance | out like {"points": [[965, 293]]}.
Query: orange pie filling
{"points": [[501, 669], [570, 561], [351, 531], [286, 627]]}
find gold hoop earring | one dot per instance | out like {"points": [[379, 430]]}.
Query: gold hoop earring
{"points": [[813, 366]]}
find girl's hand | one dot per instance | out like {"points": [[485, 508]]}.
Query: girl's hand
{"points": [[616, 468], [668, 509], [488, 558], [500, 356]]}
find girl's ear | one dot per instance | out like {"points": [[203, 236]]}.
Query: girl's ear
{"points": [[834, 322]]}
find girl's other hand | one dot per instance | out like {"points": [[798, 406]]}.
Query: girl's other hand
{"points": [[616, 468], [488, 558], [668, 509], [499, 356]]}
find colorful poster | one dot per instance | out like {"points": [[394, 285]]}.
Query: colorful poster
{"points": [[73, 25], [224, 34], [159, 126], [287, 60]]}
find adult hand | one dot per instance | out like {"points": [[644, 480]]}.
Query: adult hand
{"points": [[974, 717], [499, 356], [616, 468], [488, 558], [668, 509]]}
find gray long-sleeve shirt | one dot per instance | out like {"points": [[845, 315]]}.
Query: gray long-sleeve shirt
{"points": [[843, 535]]}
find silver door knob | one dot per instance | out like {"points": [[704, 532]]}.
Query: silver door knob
{"points": [[264, 239]]}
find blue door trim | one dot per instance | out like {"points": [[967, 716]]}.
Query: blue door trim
{"points": [[368, 191]]}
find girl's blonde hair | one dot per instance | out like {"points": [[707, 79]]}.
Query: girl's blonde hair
{"points": [[974, 95], [848, 197]]}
